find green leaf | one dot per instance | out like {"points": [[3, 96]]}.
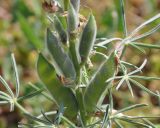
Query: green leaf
{"points": [[20, 6], [143, 88], [88, 39], [97, 86], [5, 84], [29, 32], [123, 18], [143, 45], [60, 93], [32, 94], [61, 59], [133, 122], [16, 75], [130, 108], [37, 119], [120, 14], [106, 119]]}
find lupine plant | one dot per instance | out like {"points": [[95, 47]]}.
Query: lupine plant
{"points": [[64, 68]]}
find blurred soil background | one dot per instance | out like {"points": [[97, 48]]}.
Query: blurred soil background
{"points": [[16, 16]]}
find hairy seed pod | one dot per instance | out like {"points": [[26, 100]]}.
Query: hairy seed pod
{"points": [[72, 19], [76, 4], [59, 28], [61, 94], [98, 86], [87, 39], [61, 59]]}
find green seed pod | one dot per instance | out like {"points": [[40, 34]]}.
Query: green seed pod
{"points": [[98, 86], [87, 39], [59, 28], [62, 61], [72, 19], [76, 4], [61, 94]]}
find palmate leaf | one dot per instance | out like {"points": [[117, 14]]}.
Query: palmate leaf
{"points": [[60, 93]]}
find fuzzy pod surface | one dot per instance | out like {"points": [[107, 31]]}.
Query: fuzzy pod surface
{"points": [[61, 58], [76, 4], [60, 93], [72, 19], [98, 85], [60, 30], [87, 39]]}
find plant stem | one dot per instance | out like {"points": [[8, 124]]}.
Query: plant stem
{"points": [[68, 121], [21, 107]]}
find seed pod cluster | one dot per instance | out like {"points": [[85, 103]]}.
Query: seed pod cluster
{"points": [[63, 75]]}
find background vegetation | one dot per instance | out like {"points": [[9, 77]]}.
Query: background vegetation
{"points": [[15, 38]]}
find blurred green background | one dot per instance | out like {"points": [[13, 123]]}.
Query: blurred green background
{"points": [[23, 26]]}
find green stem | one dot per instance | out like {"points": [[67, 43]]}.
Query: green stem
{"points": [[79, 95], [123, 51], [21, 107], [68, 121]]}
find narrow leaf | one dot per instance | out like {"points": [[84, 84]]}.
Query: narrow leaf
{"points": [[130, 108], [153, 30], [29, 33], [31, 95], [6, 86], [36, 119], [16, 75], [123, 18], [143, 88], [144, 45]]}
